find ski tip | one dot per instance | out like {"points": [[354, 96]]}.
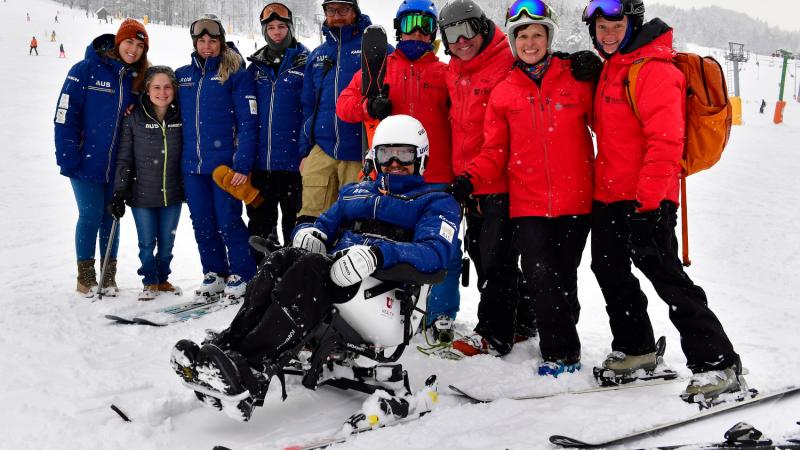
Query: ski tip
{"points": [[565, 441]]}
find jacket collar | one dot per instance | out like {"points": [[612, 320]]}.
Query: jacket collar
{"points": [[498, 44], [260, 56], [348, 33], [399, 184], [428, 57]]}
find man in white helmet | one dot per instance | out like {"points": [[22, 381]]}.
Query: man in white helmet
{"points": [[373, 225]]}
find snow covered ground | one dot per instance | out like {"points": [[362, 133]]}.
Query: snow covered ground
{"points": [[62, 364]]}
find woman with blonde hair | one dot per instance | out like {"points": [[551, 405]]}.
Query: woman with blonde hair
{"points": [[88, 120], [220, 127]]}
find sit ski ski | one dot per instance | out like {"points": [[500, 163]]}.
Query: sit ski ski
{"points": [[754, 399]]}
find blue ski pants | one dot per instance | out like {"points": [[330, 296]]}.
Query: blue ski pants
{"points": [[219, 230], [156, 228], [93, 219]]}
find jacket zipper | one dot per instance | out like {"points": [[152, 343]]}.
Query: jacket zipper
{"points": [[197, 116], [116, 125], [163, 126], [410, 86], [547, 123], [336, 95], [269, 126]]}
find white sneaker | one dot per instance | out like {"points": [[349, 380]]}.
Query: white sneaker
{"points": [[235, 287], [212, 285]]}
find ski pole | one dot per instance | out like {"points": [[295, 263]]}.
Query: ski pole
{"points": [[104, 267]]}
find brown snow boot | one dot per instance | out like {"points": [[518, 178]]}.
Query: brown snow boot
{"points": [[87, 278], [109, 286]]}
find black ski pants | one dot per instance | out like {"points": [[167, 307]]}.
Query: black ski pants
{"points": [[551, 250], [703, 339], [291, 293], [279, 188], [488, 241]]}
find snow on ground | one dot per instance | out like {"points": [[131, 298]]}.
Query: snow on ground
{"points": [[63, 364]]}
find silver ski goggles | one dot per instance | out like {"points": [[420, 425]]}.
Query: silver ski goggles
{"points": [[464, 29], [275, 11], [205, 26], [405, 155]]}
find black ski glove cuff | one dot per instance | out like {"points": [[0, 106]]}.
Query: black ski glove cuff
{"points": [[117, 206], [461, 188], [586, 66], [379, 107]]}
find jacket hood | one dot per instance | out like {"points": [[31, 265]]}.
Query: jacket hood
{"points": [[349, 32], [498, 43], [96, 51], [653, 41]]}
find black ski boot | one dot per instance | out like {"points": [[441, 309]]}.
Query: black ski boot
{"points": [[228, 373], [183, 360]]}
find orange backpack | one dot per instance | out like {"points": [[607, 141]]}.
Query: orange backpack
{"points": [[709, 117]]}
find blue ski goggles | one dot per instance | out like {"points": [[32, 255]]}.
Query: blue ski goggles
{"points": [[417, 21], [610, 9], [465, 29], [535, 9], [405, 155]]}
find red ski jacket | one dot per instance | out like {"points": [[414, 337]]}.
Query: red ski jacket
{"points": [[470, 83], [417, 89], [538, 138], [640, 160]]}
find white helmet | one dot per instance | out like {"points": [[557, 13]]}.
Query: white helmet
{"points": [[403, 130], [518, 16]]}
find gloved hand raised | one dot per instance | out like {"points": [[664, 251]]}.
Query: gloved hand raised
{"points": [[117, 206], [586, 66], [380, 107], [354, 264], [461, 188], [311, 239]]}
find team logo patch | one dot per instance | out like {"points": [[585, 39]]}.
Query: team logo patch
{"points": [[61, 116], [63, 102], [447, 231]]}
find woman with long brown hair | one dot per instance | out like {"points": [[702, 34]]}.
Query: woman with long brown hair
{"points": [[88, 119]]}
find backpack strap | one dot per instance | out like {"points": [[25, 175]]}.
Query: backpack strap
{"points": [[630, 84]]}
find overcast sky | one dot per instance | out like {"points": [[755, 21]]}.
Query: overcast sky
{"points": [[784, 14]]}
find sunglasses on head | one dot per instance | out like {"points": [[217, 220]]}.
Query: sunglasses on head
{"points": [[275, 11], [403, 154], [465, 29], [205, 26], [417, 21]]}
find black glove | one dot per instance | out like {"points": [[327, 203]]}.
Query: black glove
{"points": [[586, 66], [643, 226], [380, 107], [461, 188], [117, 206]]}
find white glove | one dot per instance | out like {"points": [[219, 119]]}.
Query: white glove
{"points": [[310, 239], [353, 265]]}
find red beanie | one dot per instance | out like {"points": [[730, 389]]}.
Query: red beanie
{"points": [[131, 29]]}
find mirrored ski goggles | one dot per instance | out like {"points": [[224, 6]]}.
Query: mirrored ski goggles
{"points": [[275, 11], [403, 154], [458, 30], [535, 9], [610, 9], [205, 26], [416, 21]]}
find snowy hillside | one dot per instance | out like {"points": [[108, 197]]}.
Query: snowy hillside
{"points": [[62, 364]]}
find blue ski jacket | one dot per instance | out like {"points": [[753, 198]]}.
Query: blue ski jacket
{"points": [[429, 216], [220, 121], [89, 114], [280, 111], [330, 68]]}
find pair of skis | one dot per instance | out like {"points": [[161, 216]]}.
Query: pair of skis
{"points": [[175, 313]]}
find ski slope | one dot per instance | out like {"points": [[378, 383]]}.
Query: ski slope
{"points": [[62, 365]]}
